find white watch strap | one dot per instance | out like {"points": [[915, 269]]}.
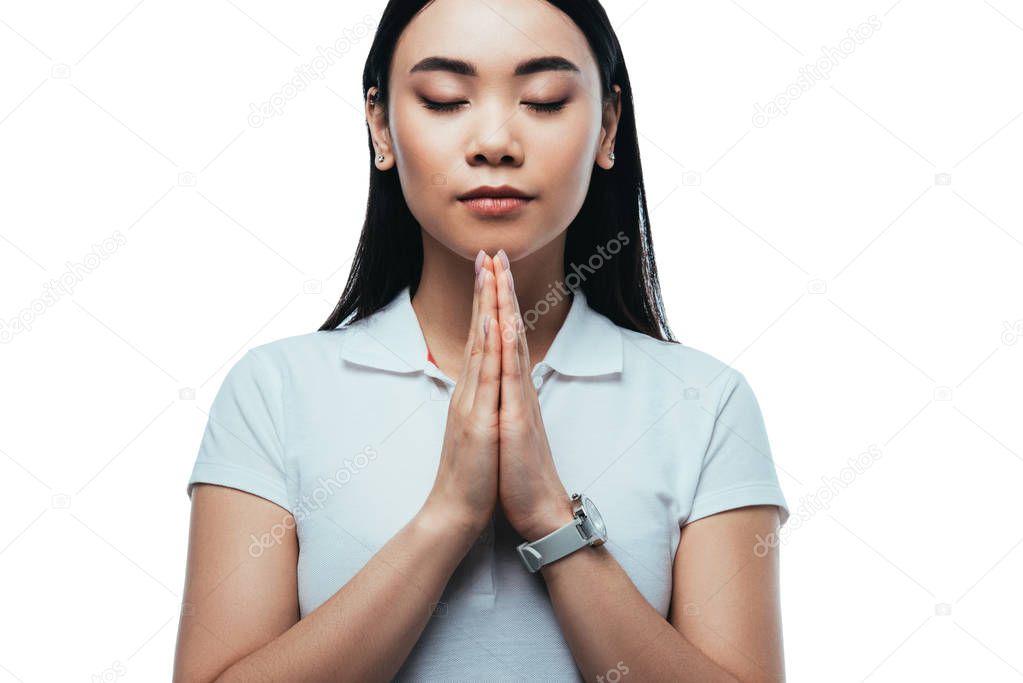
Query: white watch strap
{"points": [[553, 546]]}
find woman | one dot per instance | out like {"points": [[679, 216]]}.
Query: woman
{"points": [[359, 514]]}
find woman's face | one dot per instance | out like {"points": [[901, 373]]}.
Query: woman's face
{"points": [[467, 120]]}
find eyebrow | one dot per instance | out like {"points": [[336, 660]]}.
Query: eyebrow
{"points": [[464, 68]]}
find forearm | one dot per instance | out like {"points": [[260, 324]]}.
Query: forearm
{"points": [[366, 630], [609, 625]]}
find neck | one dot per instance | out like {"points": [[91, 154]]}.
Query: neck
{"points": [[443, 300]]}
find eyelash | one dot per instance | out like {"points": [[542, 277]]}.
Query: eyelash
{"points": [[540, 107]]}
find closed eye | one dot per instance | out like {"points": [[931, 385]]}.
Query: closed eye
{"points": [[542, 107], [441, 106], [547, 107]]}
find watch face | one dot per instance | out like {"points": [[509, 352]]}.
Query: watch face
{"points": [[594, 517]]}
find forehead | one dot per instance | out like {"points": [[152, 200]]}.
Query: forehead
{"points": [[493, 35]]}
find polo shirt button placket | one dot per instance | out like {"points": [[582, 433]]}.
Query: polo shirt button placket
{"points": [[487, 536], [480, 559]]}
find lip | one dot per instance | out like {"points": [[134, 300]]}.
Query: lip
{"points": [[495, 206], [488, 200], [489, 191]]}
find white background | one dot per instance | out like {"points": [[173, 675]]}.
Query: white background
{"points": [[873, 305]]}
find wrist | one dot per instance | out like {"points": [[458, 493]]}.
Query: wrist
{"points": [[448, 522], [553, 517]]}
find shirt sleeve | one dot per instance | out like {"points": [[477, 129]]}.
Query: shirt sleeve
{"points": [[241, 446], [738, 469]]}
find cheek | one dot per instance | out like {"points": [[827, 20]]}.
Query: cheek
{"points": [[566, 164], [568, 161], [425, 157], [422, 140]]}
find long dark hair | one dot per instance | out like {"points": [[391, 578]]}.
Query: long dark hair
{"points": [[624, 287]]}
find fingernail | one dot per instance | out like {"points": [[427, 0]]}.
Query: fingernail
{"points": [[479, 261], [486, 325], [504, 259], [479, 278]]}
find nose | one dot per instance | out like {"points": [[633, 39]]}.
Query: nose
{"points": [[495, 140]]}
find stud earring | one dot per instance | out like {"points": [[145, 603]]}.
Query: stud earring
{"points": [[380, 158], [611, 156]]}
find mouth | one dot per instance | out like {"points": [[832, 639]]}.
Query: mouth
{"points": [[495, 201]]}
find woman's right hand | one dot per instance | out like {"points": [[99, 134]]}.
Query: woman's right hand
{"points": [[465, 489]]}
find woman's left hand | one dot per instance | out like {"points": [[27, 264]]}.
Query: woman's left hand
{"points": [[532, 496]]}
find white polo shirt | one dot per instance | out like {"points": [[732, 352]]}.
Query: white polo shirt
{"points": [[343, 428]]}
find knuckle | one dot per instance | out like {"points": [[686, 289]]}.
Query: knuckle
{"points": [[509, 335], [490, 373], [473, 429], [459, 412]]}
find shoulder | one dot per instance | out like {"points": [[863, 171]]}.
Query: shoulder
{"points": [[309, 350], [657, 362]]}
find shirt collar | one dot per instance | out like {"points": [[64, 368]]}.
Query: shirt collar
{"points": [[587, 344]]}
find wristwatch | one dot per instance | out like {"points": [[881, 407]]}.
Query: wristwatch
{"points": [[586, 529]]}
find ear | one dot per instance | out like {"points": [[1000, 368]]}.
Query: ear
{"points": [[376, 116], [608, 129]]}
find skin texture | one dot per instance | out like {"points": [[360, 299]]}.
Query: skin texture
{"points": [[724, 621]]}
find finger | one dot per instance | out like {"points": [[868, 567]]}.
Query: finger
{"points": [[511, 372], [487, 296], [488, 387], [522, 344], [471, 339]]}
